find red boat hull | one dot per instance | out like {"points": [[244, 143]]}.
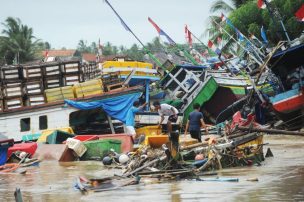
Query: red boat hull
{"points": [[290, 104]]}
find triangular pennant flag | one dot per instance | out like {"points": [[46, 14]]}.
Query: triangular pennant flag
{"points": [[261, 4], [300, 14], [160, 31], [188, 36]]}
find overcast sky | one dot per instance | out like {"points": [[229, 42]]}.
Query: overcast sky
{"points": [[64, 22]]}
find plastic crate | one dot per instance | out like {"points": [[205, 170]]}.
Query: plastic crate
{"points": [[77, 146], [31, 137], [100, 148], [149, 130]]}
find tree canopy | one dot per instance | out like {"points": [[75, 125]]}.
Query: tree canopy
{"points": [[17, 42], [248, 18]]}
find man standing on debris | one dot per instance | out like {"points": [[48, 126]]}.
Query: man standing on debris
{"points": [[166, 110], [195, 122], [130, 122]]}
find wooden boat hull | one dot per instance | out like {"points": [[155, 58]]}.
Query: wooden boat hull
{"points": [[247, 153], [57, 113], [289, 101]]}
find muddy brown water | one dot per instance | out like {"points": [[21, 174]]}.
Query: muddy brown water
{"points": [[281, 178]]}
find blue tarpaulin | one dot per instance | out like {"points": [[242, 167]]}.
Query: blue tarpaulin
{"points": [[116, 107], [3, 156]]}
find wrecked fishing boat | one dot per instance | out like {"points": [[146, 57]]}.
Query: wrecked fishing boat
{"points": [[288, 103]]}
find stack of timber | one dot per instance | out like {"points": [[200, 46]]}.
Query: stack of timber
{"points": [[112, 81], [52, 75], [90, 71], [34, 88], [1, 99], [71, 72], [1, 105], [12, 87], [25, 84]]}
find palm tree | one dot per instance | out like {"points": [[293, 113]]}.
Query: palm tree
{"points": [[223, 6], [18, 41], [213, 30]]}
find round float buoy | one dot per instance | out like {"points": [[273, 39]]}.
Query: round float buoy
{"points": [[107, 160], [123, 158]]}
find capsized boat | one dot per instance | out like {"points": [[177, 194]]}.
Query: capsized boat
{"points": [[288, 65]]}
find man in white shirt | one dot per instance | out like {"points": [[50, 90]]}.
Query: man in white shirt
{"points": [[166, 110]]}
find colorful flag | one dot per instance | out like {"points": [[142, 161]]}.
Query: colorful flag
{"points": [[229, 23], [188, 35], [213, 47], [160, 31], [240, 35], [263, 35], [121, 20], [300, 14], [252, 36], [223, 17], [261, 4], [46, 53], [219, 40], [205, 54]]}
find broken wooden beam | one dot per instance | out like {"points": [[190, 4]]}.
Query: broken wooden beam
{"points": [[270, 131]]}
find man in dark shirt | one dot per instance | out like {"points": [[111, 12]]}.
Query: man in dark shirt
{"points": [[195, 122]]}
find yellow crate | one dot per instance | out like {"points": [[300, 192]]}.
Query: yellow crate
{"points": [[46, 133], [58, 94], [149, 130], [144, 65], [109, 64], [156, 141], [92, 87]]}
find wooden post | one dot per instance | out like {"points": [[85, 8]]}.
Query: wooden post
{"points": [[111, 124], [147, 94], [271, 131]]}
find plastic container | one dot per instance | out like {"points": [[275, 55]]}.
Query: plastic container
{"points": [[31, 137], [3, 156], [100, 148], [84, 138], [149, 130], [28, 147], [77, 146]]}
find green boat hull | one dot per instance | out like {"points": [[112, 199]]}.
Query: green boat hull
{"points": [[205, 94]]}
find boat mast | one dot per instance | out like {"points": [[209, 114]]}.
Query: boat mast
{"points": [[147, 51], [273, 12]]}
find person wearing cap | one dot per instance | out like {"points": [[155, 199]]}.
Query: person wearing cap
{"points": [[166, 110], [130, 122]]}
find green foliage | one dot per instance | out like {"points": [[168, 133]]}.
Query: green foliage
{"points": [[83, 47], [17, 41], [249, 19]]}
